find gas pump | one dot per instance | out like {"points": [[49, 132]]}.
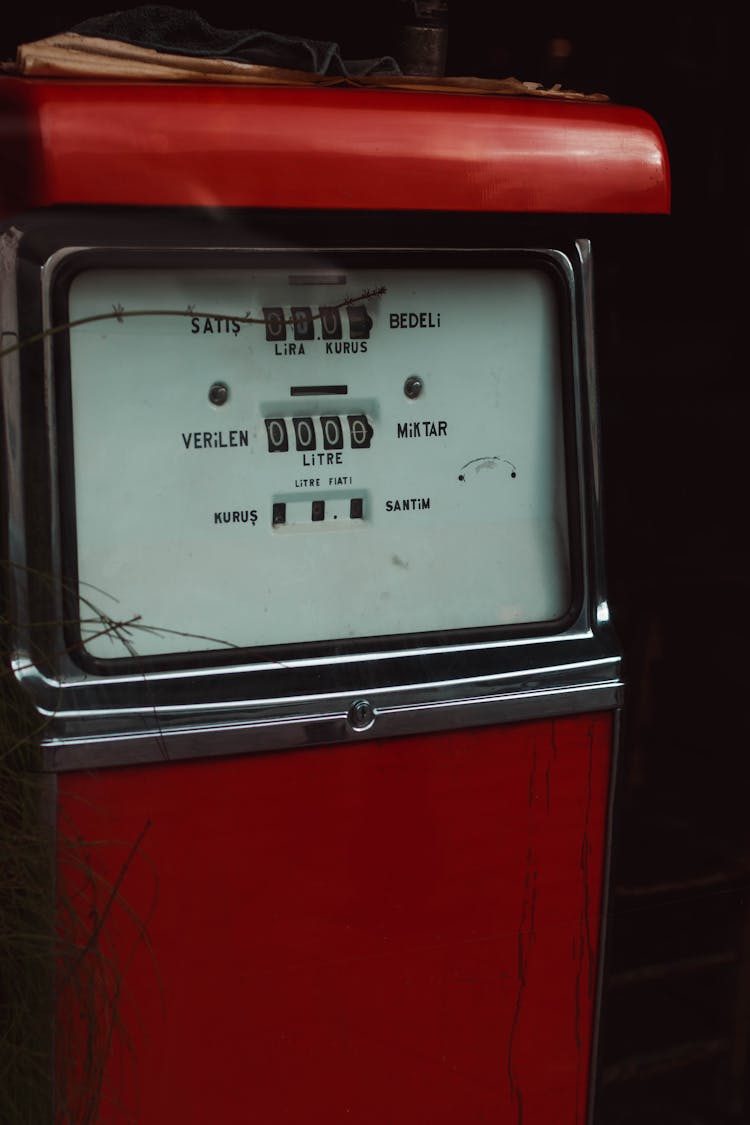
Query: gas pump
{"points": [[307, 583]]}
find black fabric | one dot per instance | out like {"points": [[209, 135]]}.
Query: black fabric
{"points": [[180, 32]]}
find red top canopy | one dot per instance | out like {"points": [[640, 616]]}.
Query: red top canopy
{"points": [[174, 144]]}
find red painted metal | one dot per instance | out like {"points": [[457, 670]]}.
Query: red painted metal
{"points": [[70, 142], [394, 931]]}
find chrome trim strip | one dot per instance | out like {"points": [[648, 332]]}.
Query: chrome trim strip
{"points": [[592, 464], [570, 674], [304, 731], [25, 668]]}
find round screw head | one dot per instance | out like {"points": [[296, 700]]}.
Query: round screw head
{"points": [[413, 386], [361, 715], [218, 393]]}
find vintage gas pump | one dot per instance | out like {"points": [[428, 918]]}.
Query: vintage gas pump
{"points": [[304, 509]]}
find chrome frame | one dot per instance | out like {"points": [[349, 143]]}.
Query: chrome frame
{"points": [[93, 720]]}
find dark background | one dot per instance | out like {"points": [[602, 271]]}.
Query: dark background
{"points": [[673, 371]]}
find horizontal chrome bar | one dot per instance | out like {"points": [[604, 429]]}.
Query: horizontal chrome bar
{"points": [[310, 729]]}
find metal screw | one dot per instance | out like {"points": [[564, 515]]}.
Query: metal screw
{"points": [[413, 386], [218, 393], [361, 715]]}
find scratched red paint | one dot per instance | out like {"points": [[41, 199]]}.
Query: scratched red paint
{"points": [[398, 931]]}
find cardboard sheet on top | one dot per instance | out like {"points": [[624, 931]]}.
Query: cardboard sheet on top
{"points": [[81, 56]]}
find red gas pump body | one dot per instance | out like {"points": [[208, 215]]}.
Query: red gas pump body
{"points": [[400, 930], [383, 929]]}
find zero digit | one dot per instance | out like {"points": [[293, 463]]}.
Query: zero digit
{"points": [[278, 441], [360, 431], [330, 322], [275, 323], [304, 434], [303, 322], [333, 434]]}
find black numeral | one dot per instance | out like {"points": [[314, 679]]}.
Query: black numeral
{"points": [[360, 431], [303, 322], [333, 434], [304, 434], [275, 324], [330, 323], [278, 442]]}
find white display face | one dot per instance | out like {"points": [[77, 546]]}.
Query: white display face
{"points": [[391, 466]]}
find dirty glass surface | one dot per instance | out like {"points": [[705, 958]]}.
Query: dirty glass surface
{"points": [[334, 452]]}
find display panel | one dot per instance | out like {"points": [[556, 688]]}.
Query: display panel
{"points": [[284, 453]]}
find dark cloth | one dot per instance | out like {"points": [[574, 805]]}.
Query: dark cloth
{"points": [[179, 32]]}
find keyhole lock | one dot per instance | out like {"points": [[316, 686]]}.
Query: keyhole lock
{"points": [[361, 715]]}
